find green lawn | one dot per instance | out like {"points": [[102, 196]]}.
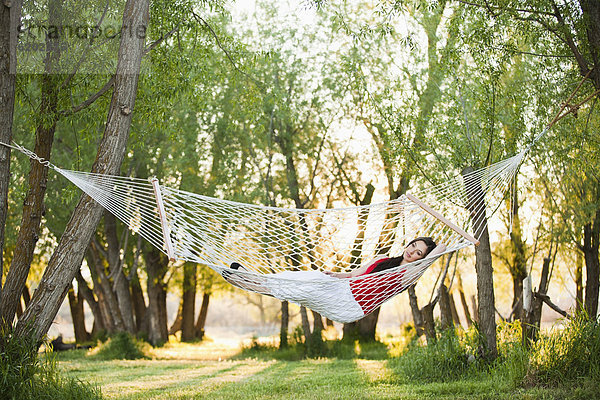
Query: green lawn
{"points": [[215, 371]]}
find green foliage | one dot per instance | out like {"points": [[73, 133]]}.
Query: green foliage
{"points": [[24, 374], [121, 346], [445, 360], [571, 354]]}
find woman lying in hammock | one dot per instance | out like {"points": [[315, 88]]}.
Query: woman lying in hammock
{"points": [[342, 300]]}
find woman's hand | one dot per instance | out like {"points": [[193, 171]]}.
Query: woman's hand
{"points": [[439, 249], [338, 274]]}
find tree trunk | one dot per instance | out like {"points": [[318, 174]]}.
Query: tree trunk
{"points": [[518, 268], [138, 301], [120, 284], [285, 319], [105, 314], [306, 328], [416, 311], [108, 296], [78, 316], [446, 316], [67, 257], [87, 294], [33, 206], [10, 17], [463, 299], [591, 242], [429, 323], [156, 268], [201, 322], [176, 326], [483, 267], [579, 282], [188, 310]]}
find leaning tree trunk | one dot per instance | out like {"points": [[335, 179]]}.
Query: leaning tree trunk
{"points": [[67, 257], [201, 322], [10, 16], [33, 206], [483, 267]]}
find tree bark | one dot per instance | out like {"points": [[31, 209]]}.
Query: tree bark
{"points": [[188, 310], [446, 317], [283, 331], [120, 284], [416, 311], [33, 206], [137, 296], [483, 266], [78, 316], [591, 244], [10, 18], [108, 296], [156, 268], [67, 257], [201, 322], [518, 267], [429, 323], [87, 294]]}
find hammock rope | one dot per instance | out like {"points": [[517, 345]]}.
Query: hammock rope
{"points": [[270, 242], [273, 243]]}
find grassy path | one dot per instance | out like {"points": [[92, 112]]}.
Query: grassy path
{"points": [[206, 371]]}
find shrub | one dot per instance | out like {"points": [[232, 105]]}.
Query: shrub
{"points": [[570, 354], [26, 375], [121, 346], [445, 360]]}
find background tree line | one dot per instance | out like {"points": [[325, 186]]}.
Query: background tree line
{"points": [[252, 112]]}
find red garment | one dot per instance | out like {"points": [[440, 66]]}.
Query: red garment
{"points": [[370, 291]]}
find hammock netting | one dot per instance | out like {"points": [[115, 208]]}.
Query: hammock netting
{"points": [[273, 244]]}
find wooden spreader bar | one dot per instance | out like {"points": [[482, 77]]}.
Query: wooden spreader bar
{"points": [[442, 219], [163, 218]]}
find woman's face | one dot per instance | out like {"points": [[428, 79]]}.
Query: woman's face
{"points": [[415, 251]]}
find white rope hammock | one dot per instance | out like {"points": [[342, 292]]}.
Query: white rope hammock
{"points": [[270, 243]]}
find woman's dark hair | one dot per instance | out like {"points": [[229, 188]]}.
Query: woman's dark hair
{"points": [[395, 261], [428, 242]]}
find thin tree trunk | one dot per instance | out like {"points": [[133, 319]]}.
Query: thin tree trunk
{"points": [[518, 268], [579, 282], [283, 331], [446, 318], [10, 17], [67, 257], [137, 295], [120, 283], [109, 297], [483, 268], [429, 323], [463, 299], [200, 323], [416, 311], [156, 267], [87, 294], [306, 329], [591, 242], [33, 206], [188, 309], [78, 316]]}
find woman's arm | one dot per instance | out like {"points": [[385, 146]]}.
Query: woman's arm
{"points": [[356, 272], [439, 249]]}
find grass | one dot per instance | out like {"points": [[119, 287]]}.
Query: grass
{"points": [[223, 370]]}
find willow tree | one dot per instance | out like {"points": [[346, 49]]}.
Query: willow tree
{"points": [[68, 255], [563, 35]]}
